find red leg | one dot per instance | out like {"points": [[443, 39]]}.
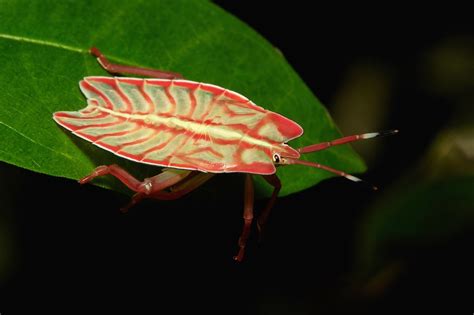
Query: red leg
{"points": [[120, 69], [262, 219], [178, 190], [325, 145], [184, 187], [146, 188], [135, 199], [248, 216], [161, 181]]}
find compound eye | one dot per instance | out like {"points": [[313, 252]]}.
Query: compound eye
{"points": [[276, 158]]}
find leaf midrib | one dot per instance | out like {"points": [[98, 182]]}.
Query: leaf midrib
{"points": [[47, 43]]}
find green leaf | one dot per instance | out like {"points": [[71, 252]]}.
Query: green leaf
{"points": [[44, 54]]}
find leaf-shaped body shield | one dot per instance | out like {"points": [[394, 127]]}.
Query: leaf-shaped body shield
{"points": [[181, 124]]}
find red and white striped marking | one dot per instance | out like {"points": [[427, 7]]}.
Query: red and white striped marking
{"points": [[181, 124]]}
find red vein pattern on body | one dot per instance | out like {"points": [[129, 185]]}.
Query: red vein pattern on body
{"points": [[180, 123]]}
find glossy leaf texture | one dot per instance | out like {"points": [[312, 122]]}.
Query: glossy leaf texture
{"points": [[44, 54]]}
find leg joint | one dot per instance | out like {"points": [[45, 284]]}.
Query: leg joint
{"points": [[248, 217], [146, 186]]}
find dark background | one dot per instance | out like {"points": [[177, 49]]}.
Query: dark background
{"points": [[69, 243]]}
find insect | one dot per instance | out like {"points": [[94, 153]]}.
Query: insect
{"points": [[194, 130]]}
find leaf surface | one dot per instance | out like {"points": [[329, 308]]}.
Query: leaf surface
{"points": [[44, 54]]}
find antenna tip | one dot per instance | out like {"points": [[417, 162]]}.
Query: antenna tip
{"points": [[379, 134], [352, 178], [388, 132]]}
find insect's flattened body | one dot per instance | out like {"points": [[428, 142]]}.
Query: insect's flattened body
{"points": [[182, 124], [191, 127]]}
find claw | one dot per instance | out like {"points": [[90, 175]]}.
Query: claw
{"points": [[260, 231], [240, 256], [135, 199]]}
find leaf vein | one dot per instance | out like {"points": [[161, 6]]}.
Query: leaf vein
{"points": [[42, 42], [34, 141]]}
